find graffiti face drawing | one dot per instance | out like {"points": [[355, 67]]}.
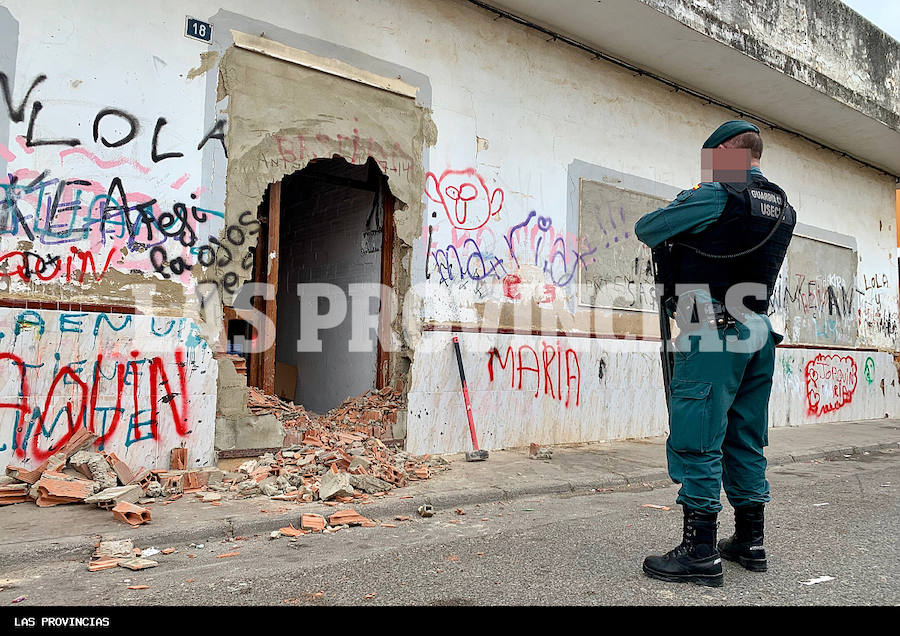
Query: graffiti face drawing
{"points": [[465, 197]]}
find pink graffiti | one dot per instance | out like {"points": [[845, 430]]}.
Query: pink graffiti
{"points": [[6, 154], [100, 162], [830, 383], [465, 197]]}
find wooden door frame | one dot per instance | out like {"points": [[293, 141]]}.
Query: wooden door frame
{"points": [[383, 357], [261, 370]]}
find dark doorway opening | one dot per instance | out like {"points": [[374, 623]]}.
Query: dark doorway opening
{"points": [[332, 222]]}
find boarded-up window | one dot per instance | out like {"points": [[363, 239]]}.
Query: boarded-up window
{"points": [[621, 277]]}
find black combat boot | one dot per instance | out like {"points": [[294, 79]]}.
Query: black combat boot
{"points": [[746, 544], [696, 560]]}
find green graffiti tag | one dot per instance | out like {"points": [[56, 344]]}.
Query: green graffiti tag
{"points": [[870, 369]]}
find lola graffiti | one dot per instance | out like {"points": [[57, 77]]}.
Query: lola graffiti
{"points": [[74, 402], [556, 369], [123, 120], [830, 383]]}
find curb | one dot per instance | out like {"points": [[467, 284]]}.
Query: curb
{"points": [[80, 548]]}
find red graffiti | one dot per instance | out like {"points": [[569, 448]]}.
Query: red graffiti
{"points": [[549, 294], [294, 150], [32, 428], [465, 197], [27, 265], [830, 383], [547, 369], [511, 284]]}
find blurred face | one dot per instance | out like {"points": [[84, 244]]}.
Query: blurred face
{"points": [[725, 165]]}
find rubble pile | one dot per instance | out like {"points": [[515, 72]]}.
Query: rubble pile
{"points": [[333, 458], [373, 413]]}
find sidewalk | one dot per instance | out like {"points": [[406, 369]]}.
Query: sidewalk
{"points": [[29, 533]]}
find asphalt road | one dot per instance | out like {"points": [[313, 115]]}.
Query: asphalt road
{"points": [[828, 518]]}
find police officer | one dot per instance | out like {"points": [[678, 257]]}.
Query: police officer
{"points": [[721, 238]]}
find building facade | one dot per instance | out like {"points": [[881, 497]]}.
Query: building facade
{"points": [[179, 174]]}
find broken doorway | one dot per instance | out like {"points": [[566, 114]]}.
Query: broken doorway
{"points": [[332, 223]]}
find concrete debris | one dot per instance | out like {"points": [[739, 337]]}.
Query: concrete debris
{"points": [[13, 493], [373, 413], [149, 552], [335, 484], [537, 451], [123, 548], [137, 563], [369, 484], [109, 497], [425, 511], [336, 458], [274, 534], [248, 466]]}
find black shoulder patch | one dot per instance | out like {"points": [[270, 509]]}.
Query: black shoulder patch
{"points": [[765, 203]]}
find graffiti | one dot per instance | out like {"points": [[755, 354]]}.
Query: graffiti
{"points": [[17, 115], [869, 369], [34, 424], [294, 152], [477, 265], [875, 282], [71, 210], [815, 296], [629, 283], [214, 252], [526, 244], [877, 311], [465, 197], [547, 249], [554, 364], [46, 268], [114, 390], [830, 383]]}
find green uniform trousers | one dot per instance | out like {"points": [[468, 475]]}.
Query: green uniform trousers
{"points": [[718, 423]]}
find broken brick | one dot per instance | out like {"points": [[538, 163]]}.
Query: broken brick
{"points": [[103, 563], [178, 459], [131, 514], [13, 493], [52, 491], [350, 518], [316, 523], [121, 469]]}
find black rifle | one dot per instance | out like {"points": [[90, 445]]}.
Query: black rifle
{"points": [[662, 275]]}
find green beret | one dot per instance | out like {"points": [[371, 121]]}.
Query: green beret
{"points": [[728, 130]]}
